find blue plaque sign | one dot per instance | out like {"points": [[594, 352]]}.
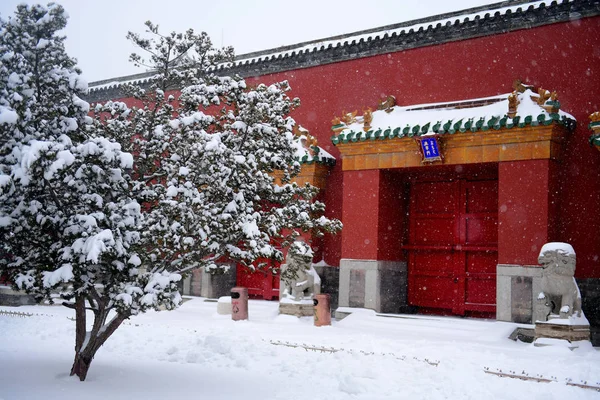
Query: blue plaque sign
{"points": [[430, 149]]}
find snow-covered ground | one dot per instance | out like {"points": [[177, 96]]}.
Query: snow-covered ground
{"points": [[194, 353]]}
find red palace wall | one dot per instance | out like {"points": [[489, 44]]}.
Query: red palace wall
{"points": [[564, 57], [527, 210]]}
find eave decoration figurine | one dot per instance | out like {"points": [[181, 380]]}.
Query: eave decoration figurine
{"points": [[388, 104], [308, 141], [595, 127], [349, 118], [513, 103], [367, 119]]}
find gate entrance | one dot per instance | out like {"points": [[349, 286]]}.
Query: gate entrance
{"points": [[260, 284], [453, 246]]}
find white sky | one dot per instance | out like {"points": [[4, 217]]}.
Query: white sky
{"points": [[96, 30]]}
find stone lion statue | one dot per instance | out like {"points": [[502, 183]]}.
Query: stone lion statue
{"points": [[298, 277], [560, 293]]}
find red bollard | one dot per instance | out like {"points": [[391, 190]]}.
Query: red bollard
{"points": [[322, 309], [239, 303]]}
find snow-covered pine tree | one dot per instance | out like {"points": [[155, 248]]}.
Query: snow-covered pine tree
{"points": [[68, 224], [208, 160], [212, 198]]}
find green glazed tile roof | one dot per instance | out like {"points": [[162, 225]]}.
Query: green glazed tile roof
{"points": [[312, 154], [451, 118]]}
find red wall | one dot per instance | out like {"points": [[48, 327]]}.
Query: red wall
{"points": [[391, 218], [564, 57], [361, 214], [527, 210], [373, 215]]}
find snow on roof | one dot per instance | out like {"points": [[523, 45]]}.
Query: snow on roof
{"points": [[137, 79], [307, 151], [450, 19], [461, 116], [315, 46]]}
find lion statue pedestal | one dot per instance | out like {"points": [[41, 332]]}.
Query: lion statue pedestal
{"points": [[299, 281], [560, 297]]}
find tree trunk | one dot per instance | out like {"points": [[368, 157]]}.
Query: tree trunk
{"points": [[81, 365], [88, 343], [78, 367]]}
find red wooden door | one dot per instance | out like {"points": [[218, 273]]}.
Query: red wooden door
{"points": [[262, 283], [452, 246]]}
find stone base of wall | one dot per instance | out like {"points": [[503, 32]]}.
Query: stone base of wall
{"points": [[13, 298], [201, 283], [517, 289], [330, 283], [377, 285]]}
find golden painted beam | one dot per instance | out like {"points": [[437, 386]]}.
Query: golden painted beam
{"points": [[315, 174], [516, 144]]}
